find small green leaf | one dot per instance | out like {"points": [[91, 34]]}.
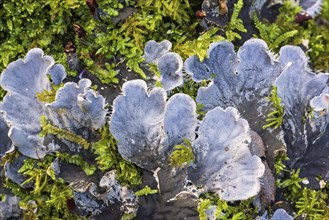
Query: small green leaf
{"points": [[10, 24], [182, 155], [3, 197], [51, 173]]}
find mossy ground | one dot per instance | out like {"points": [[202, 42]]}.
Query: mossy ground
{"points": [[50, 25]]}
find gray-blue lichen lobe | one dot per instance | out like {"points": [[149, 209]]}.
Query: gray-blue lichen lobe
{"points": [[243, 80], [296, 86], [9, 208], [22, 80], [153, 50], [223, 139]]}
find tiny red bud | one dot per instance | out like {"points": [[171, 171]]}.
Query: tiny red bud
{"points": [[200, 14], [301, 17]]}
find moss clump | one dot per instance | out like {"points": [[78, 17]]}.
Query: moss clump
{"points": [[312, 204], [182, 155], [236, 24], [275, 118], [48, 197], [146, 191], [312, 34], [9, 157], [50, 21], [203, 206], [273, 35], [200, 45], [2, 93], [309, 203], [48, 96], [108, 158], [3, 197], [78, 160], [225, 210], [54, 23]]}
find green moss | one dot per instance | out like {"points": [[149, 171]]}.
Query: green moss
{"points": [[182, 155], [274, 36], [318, 36], [108, 158], [49, 193], [199, 111], [154, 68], [177, 10], [2, 93], [37, 172], [224, 210], [279, 165], [78, 160], [198, 46], [308, 203], [3, 197], [292, 185], [127, 216], [48, 128], [235, 24], [275, 118], [283, 30], [204, 205], [312, 34], [49, 20], [52, 25], [311, 204], [48, 96], [9, 157], [146, 191]]}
